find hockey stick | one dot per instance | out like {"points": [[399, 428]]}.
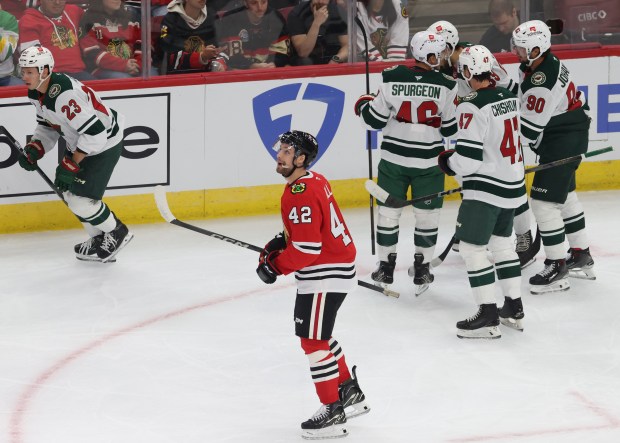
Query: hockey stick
{"points": [[15, 145], [164, 210], [368, 139], [441, 257], [394, 202]]}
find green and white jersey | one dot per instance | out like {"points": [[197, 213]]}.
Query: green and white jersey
{"points": [[415, 108], [74, 111], [547, 95], [499, 78], [488, 155]]}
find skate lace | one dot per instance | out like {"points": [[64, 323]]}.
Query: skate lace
{"points": [[523, 242], [85, 247], [549, 269], [109, 242], [475, 316], [320, 414]]}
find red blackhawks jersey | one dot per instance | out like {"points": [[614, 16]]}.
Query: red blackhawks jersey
{"points": [[320, 249]]}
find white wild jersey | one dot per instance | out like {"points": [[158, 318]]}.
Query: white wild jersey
{"points": [[74, 111], [545, 93], [488, 155], [415, 110], [384, 42]]}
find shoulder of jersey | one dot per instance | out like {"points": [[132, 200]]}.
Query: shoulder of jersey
{"points": [[393, 72], [544, 77], [60, 83]]}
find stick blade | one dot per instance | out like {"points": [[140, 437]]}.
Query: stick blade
{"points": [[376, 191], [162, 203]]}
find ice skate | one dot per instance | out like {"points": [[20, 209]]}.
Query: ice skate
{"points": [[527, 248], [580, 264], [421, 274], [87, 251], [511, 314], [352, 397], [483, 324], [551, 279], [384, 275], [113, 241], [328, 422]]}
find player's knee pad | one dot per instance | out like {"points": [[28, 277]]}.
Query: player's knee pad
{"points": [[502, 249], [311, 346], [475, 256], [82, 206], [389, 216], [426, 218], [572, 206], [545, 211]]}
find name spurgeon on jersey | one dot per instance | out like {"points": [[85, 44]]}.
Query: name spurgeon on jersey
{"points": [[414, 90], [504, 107]]}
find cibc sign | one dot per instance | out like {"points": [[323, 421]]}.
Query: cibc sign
{"points": [[144, 162]]}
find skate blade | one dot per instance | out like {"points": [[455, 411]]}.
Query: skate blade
{"points": [[488, 333], [512, 323], [93, 259], [583, 273], [126, 240], [419, 289], [381, 284], [335, 431], [357, 409], [557, 286]]}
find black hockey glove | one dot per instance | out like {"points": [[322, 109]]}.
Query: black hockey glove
{"points": [[278, 243], [442, 161], [33, 152], [266, 271]]}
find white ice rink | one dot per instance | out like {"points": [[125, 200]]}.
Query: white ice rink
{"points": [[180, 342]]}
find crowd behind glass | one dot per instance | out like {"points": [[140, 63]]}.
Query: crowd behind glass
{"points": [[116, 39]]}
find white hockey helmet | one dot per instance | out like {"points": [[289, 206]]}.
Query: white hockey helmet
{"points": [[37, 57], [426, 43], [448, 31], [530, 35], [478, 60]]}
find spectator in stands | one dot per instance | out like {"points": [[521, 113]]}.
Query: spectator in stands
{"points": [[505, 19], [255, 36], [387, 28], [55, 25], [111, 41], [188, 38], [318, 33], [8, 45]]}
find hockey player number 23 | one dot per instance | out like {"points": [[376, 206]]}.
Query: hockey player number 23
{"points": [[426, 114], [510, 141]]}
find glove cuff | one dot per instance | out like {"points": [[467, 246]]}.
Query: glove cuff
{"points": [[37, 147], [70, 165]]}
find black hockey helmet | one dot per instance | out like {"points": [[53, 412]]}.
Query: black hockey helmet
{"points": [[303, 143]]}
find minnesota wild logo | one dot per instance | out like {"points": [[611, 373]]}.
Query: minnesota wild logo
{"points": [[539, 78], [298, 188]]}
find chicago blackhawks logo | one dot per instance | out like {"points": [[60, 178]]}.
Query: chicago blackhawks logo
{"points": [[64, 38], [379, 41], [193, 44], [119, 48], [298, 188], [538, 78]]}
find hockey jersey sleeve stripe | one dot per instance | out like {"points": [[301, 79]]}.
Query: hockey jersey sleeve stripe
{"points": [[531, 124], [411, 152], [376, 115], [473, 152], [448, 130], [529, 132], [308, 248], [91, 121], [347, 268]]}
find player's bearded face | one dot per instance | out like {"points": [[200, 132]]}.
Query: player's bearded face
{"points": [[284, 159]]}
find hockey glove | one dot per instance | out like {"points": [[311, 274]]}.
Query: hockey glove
{"points": [[66, 173], [442, 161], [278, 243], [362, 101], [33, 151], [266, 270]]}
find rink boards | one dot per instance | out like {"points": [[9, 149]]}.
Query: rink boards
{"points": [[208, 138]]}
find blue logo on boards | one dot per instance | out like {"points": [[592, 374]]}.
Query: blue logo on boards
{"points": [[270, 128]]}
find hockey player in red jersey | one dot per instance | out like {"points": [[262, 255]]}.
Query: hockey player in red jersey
{"points": [[316, 245]]}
